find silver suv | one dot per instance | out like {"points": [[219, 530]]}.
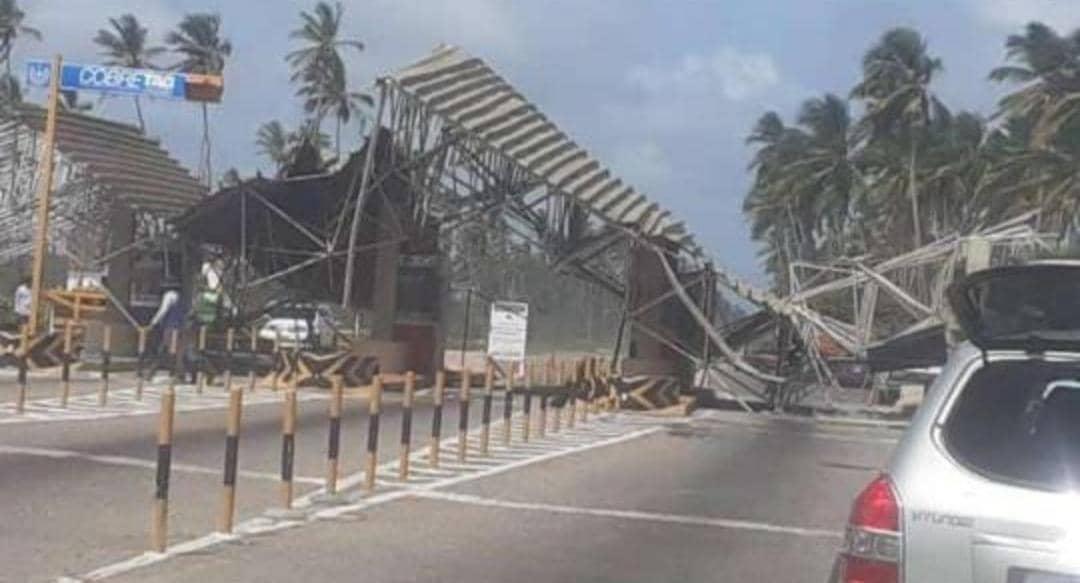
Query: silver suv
{"points": [[985, 485]]}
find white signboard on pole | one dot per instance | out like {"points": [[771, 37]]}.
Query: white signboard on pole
{"points": [[508, 331]]}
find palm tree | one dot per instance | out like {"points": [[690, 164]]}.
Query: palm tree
{"points": [[326, 93], [198, 40], [276, 143], [125, 46], [895, 89], [1046, 66], [11, 28], [319, 68], [319, 32]]}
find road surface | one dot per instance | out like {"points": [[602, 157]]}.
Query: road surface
{"points": [[718, 497]]}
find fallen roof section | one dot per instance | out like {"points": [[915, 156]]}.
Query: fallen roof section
{"points": [[473, 98], [133, 168]]}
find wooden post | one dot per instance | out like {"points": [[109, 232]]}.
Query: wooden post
{"points": [[232, 457], [230, 337], [508, 405], [65, 368], [254, 352], [200, 381], [333, 446], [463, 415], [160, 526], [436, 418], [106, 360], [139, 382], [406, 426], [374, 410], [23, 355], [485, 412], [288, 445], [45, 187]]}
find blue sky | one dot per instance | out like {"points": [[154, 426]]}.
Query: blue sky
{"points": [[664, 91]]}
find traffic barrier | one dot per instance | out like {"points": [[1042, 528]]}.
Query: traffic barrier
{"points": [[232, 458], [508, 406], [65, 367], [106, 360], [23, 355], [374, 410], [545, 379], [139, 381], [485, 412], [254, 350], [463, 416], [436, 418], [526, 406], [333, 445], [288, 446], [160, 524], [200, 375], [230, 337], [275, 374], [406, 425], [566, 382]]}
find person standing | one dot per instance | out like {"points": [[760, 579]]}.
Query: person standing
{"points": [[168, 319], [21, 304]]}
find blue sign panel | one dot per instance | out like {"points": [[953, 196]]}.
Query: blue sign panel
{"points": [[109, 79]]}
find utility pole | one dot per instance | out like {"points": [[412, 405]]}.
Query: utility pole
{"points": [[41, 223]]}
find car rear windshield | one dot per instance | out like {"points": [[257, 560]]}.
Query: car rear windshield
{"points": [[1019, 422]]}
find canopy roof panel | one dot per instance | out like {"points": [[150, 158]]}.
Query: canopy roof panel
{"points": [[472, 97]]}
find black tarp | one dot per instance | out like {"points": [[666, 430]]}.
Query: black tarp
{"points": [[919, 349]]}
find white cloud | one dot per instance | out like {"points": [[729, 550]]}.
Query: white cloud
{"points": [[644, 164], [1063, 15], [725, 72]]}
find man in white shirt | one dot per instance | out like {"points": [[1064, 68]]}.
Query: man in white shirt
{"points": [[22, 301]]}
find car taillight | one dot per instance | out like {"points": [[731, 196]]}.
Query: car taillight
{"points": [[872, 544]]}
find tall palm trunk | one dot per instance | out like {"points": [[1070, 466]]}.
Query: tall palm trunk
{"points": [[138, 113], [205, 162], [913, 193]]}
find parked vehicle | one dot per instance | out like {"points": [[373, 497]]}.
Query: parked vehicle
{"points": [[985, 485]]}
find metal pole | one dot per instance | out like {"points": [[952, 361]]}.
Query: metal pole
{"points": [[41, 234], [354, 228], [465, 333]]}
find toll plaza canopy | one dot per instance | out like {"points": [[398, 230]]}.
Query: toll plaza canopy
{"points": [[470, 95]]}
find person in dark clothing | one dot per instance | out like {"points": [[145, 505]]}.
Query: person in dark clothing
{"points": [[168, 319]]}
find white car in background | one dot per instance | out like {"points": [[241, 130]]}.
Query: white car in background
{"points": [[295, 325]]}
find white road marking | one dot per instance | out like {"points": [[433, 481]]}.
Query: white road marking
{"points": [[122, 403], [131, 462], [726, 523], [307, 503]]}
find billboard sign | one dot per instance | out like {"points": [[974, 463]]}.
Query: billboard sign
{"points": [[508, 331], [107, 79]]}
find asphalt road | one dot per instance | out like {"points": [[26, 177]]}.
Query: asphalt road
{"points": [[720, 497]]}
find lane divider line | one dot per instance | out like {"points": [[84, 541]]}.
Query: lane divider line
{"points": [[689, 520]]}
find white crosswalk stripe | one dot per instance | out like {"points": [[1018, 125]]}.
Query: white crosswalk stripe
{"points": [[122, 402]]}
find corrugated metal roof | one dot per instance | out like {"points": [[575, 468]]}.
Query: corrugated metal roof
{"points": [[130, 166], [470, 95]]}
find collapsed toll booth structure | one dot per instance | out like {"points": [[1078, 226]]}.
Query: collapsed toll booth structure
{"points": [[109, 232], [286, 239]]}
